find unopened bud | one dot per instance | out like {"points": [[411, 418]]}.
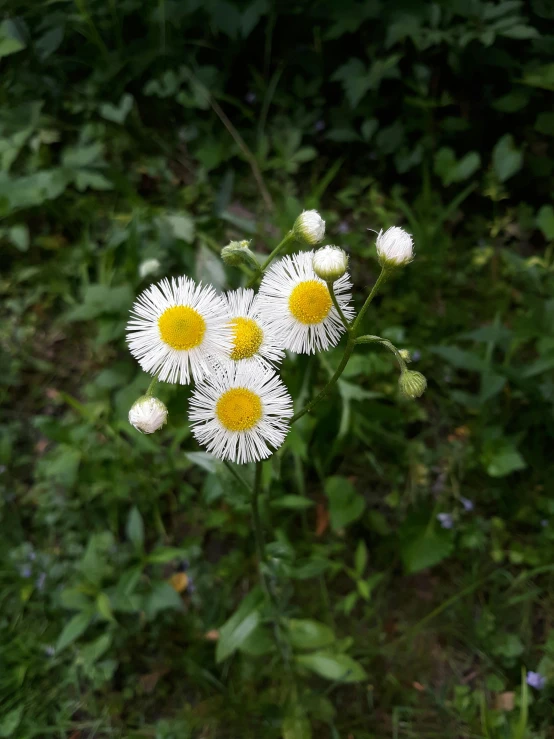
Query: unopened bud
{"points": [[147, 414], [405, 354], [394, 247], [412, 384], [237, 253], [309, 227], [330, 263]]}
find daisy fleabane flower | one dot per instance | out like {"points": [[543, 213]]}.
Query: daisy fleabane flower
{"points": [[297, 305], [241, 411], [253, 342], [176, 328]]}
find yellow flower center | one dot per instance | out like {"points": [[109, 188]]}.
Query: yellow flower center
{"points": [[239, 409], [247, 338], [182, 327], [310, 302]]}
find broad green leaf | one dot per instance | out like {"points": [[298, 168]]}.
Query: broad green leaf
{"points": [[94, 650], [204, 460], [240, 625], [460, 358], [503, 459], [161, 598], [506, 158], [19, 236], [304, 633], [8, 43], [423, 544], [135, 528], [11, 720], [73, 630], [104, 607], [165, 554], [335, 667], [545, 221], [345, 504]]}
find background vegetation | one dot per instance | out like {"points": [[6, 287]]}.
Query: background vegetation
{"points": [[141, 130]]}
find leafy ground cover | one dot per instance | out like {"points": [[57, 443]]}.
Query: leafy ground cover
{"points": [[411, 544]]}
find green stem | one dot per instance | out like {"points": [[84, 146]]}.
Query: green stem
{"points": [[288, 237], [337, 306], [258, 529], [237, 475], [340, 369], [386, 343], [151, 387], [380, 280]]}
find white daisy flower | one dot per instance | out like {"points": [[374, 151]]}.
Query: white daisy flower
{"points": [[176, 328], [395, 247], [252, 340], [296, 304], [240, 412], [148, 414]]}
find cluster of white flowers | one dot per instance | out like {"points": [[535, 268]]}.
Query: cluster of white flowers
{"points": [[230, 345]]}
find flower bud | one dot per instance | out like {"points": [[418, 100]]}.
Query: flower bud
{"points": [[147, 414], [309, 227], [412, 384], [394, 247], [148, 267], [237, 253], [330, 263], [405, 354]]}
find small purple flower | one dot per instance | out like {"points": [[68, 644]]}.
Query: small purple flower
{"points": [[343, 227], [467, 504], [536, 680], [445, 520], [250, 97], [41, 580], [416, 356], [544, 523], [320, 126], [25, 571], [191, 587], [50, 651]]}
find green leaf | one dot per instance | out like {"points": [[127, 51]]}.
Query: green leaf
{"points": [[10, 721], [73, 630], [8, 43], [165, 554], [91, 652], [503, 459], [335, 667], [545, 221], [423, 545], [360, 558], [296, 724], [304, 633], [460, 358], [204, 460], [104, 607], [545, 124], [506, 158], [292, 502], [135, 528], [345, 504], [182, 226], [236, 630], [117, 113], [19, 236], [161, 598]]}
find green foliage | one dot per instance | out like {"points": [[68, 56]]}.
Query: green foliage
{"points": [[159, 132]]}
